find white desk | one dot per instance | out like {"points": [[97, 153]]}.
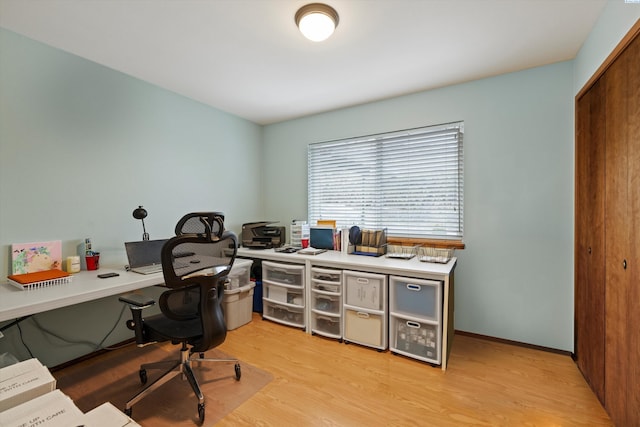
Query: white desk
{"points": [[84, 286], [383, 265]]}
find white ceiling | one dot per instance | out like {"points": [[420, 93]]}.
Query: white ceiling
{"points": [[246, 57]]}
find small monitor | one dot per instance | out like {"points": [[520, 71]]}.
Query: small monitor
{"points": [[321, 237], [144, 252]]}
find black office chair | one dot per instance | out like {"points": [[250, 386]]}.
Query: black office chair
{"points": [[195, 264]]}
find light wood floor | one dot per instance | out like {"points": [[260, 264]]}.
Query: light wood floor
{"points": [[321, 382]]}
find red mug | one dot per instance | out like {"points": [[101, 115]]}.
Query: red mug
{"points": [[93, 262]]}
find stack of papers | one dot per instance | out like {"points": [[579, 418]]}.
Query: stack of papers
{"points": [[311, 251], [24, 381], [39, 279]]}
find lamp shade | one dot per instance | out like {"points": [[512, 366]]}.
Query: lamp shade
{"points": [[317, 21]]}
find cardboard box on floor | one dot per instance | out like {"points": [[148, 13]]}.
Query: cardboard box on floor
{"points": [[107, 415], [24, 381], [54, 409]]}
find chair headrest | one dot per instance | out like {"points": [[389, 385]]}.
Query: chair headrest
{"points": [[197, 258], [208, 224]]}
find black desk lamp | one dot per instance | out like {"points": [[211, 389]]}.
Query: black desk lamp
{"points": [[141, 213]]}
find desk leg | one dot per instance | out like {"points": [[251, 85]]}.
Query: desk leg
{"points": [[447, 320]]}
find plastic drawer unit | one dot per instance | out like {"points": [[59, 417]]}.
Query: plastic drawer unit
{"points": [[415, 318], [326, 302], [283, 293], [365, 309]]}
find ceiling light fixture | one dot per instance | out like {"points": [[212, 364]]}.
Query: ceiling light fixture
{"points": [[317, 21]]}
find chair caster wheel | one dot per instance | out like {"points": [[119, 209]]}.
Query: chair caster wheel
{"points": [[238, 371], [131, 324], [201, 355], [143, 376], [201, 412]]}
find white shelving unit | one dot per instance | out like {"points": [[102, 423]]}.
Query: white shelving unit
{"points": [[283, 290], [365, 309], [326, 302], [377, 325]]}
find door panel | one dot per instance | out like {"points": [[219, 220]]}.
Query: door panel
{"points": [[590, 280], [617, 240], [631, 369]]}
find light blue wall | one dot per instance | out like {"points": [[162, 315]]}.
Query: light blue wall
{"points": [[612, 25], [81, 146], [514, 279]]}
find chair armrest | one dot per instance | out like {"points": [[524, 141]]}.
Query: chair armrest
{"points": [[137, 301]]}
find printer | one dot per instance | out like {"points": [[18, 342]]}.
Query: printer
{"points": [[262, 235]]}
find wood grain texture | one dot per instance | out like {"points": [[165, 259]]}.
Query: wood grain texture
{"points": [[589, 238], [113, 377], [322, 382], [318, 381], [617, 239], [622, 375], [608, 121], [632, 302]]}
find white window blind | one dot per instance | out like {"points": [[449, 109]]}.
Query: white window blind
{"points": [[410, 182]]}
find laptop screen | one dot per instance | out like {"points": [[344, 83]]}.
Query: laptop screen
{"points": [[145, 252], [321, 237]]}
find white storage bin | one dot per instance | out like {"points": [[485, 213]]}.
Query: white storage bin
{"points": [[240, 273], [365, 290], [333, 288], [415, 298], [293, 316], [281, 294], [326, 325], [418, 340], [365, 328], [275, 293], [285, 274], [325, 275], [295, 297], [326, 303], [238, 306]]}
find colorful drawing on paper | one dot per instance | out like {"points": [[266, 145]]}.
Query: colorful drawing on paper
{"points": [[38, 256]]}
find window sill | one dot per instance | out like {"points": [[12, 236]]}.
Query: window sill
{"points": [[437, 243]]}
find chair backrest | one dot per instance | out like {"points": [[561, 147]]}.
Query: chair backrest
{"points": [[195, 267], [201, 223]]}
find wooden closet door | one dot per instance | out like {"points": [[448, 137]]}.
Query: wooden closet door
{"points": [[589, 251], [631, 296], [622, 308]]}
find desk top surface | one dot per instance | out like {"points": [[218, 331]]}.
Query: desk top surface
{"points": [[337, 259], [84, 286]]}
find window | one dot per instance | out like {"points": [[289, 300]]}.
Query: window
{"points": [[410, 182]]}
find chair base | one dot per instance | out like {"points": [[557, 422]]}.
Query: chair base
{"points": [[177, 367]]}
